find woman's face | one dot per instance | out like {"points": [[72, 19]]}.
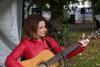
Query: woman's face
{"points": [[41, 30]]}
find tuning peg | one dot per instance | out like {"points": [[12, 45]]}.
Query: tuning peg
{"points": [[92, 33], [94, 36], [88, 37], [98, 34]]}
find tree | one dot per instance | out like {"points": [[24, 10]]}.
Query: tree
{"points": [[95, 6]]}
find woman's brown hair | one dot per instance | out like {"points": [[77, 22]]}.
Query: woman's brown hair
{"points": [[31, 24]]}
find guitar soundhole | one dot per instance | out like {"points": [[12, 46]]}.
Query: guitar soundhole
{"points": [[43, 64]]}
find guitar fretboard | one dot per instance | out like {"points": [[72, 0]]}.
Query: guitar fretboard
{"points": [[64, 53]]}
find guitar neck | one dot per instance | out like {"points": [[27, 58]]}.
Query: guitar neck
{"points": [[64, 53]]}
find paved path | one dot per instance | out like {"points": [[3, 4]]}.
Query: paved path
{"points": [[81, 26]]}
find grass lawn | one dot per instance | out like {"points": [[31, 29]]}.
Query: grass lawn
{"points": [[90, 57]]}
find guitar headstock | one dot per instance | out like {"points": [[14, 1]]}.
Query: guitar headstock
{"points": [[93, 34]]}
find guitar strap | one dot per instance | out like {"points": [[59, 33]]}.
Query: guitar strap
{"points": [[50, 46]]}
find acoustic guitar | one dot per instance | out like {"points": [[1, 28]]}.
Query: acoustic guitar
{"points": [[47, 59]]}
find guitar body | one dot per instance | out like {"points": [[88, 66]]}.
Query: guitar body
{"points": [[42, 57]]}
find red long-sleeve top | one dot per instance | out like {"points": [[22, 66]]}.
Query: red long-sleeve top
{"points": [[30, 48]]}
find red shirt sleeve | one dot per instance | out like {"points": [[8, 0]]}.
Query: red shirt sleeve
{"points": [[55, 45], [75, 52], [12, 59]]}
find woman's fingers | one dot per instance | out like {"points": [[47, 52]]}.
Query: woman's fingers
{"points": [[84, 42]]}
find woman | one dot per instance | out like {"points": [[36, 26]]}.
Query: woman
{"points": [[34, 41]]}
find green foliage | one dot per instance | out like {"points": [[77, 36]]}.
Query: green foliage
{"points": [[59, 35], [96, 6]]}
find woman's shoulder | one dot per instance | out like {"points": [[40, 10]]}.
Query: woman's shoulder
{"points": [[24, 40]]}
